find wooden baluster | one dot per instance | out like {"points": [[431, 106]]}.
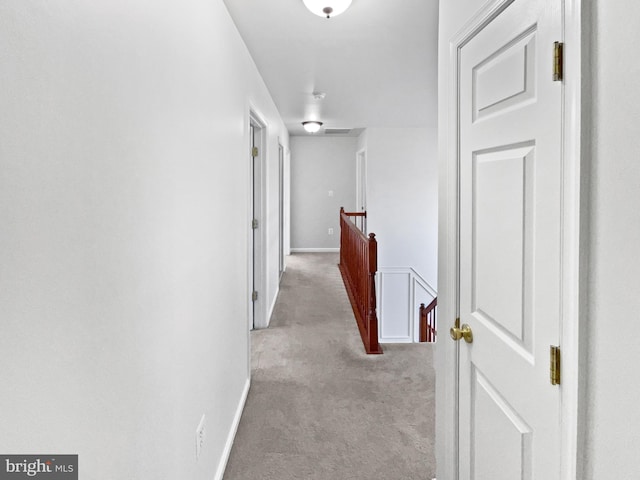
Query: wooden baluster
{"points": [[428, 321], [358, 265]]}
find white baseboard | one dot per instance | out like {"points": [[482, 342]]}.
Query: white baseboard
{"points": [[222, 465], [396, 340], [315, 250]]}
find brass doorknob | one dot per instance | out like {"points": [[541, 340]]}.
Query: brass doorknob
{"points": [[462, 332]]}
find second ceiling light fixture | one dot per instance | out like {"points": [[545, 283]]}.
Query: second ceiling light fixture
{"points": [[312, 126], [327, 8]]}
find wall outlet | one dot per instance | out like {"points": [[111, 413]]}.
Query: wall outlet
{"points": [[331, 231], [200, 436], [331, 193]]}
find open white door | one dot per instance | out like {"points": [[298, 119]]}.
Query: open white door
{"points": [[510, 237]]}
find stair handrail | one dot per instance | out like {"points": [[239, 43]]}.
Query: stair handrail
{"points": [[358, 266], [428, 323]]}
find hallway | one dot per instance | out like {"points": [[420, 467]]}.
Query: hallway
{"points": [[319, 407]]}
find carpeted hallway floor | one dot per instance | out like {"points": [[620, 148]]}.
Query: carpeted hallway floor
{"points": [[319, 408]]}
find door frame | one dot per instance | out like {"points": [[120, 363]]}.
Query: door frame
{"points": [[257, 248], [287, 203], [281, 210], [361, 185], [573, 281]]}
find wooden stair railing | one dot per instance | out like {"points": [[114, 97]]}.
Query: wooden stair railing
{"points": [[428, 321], [358, 266]]}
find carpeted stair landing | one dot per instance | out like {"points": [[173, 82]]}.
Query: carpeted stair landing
{"points": [[320, 408]]}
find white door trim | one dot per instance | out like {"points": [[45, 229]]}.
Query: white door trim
{"points": [[287, 203], [281, 210], [361, 185], [573, 277], [258, 316]]}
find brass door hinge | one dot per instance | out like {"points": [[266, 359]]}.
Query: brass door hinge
{"points": [[558, 60], [555, 365], [254, 152], [254, 296]]}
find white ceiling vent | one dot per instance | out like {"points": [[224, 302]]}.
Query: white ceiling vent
{"points": [[337, 131]]}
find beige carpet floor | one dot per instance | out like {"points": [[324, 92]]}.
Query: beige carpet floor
{"points": [[319, 408]]}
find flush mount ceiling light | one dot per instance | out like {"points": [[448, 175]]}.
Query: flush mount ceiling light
{"points": [[327, 8], [312, 126]]}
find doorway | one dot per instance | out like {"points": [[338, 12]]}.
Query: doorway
{"points": [[257, 159], [281, 203], [361, 188]]}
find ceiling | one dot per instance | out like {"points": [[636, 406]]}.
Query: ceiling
{"points": [[376, 62]]}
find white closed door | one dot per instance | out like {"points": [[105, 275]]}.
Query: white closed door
{"points": [[510, 139]]}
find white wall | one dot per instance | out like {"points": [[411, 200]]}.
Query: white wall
{"points": [[611, 405], [124, 211], [319, 165], [402, 205], [609, 438], [402, 197]]}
